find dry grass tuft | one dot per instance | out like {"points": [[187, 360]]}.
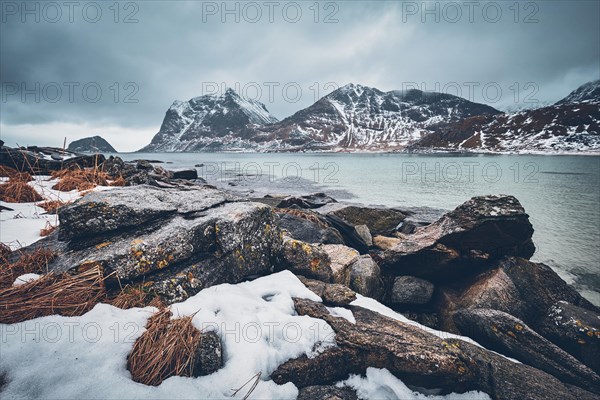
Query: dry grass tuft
{"points": [[17, 191], [35, 262], [47, 230], [135, 296], [63, 294], [79, 179], [167, 348], [7, 172], [120, 181], [52, 206]]}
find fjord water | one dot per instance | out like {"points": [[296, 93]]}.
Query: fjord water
{"points": [[560, 193]]}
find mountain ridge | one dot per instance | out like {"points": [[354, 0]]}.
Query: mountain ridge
{"points": [[361, 118]]}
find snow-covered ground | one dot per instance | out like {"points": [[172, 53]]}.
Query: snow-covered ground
{"points": [[21, 226], [85, 357]]}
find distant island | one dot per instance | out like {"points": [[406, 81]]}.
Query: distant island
{"points": [[94, 144]]}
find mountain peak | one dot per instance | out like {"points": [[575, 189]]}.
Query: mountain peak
{"points": [[588, 92]]}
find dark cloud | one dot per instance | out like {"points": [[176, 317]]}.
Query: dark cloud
{"points": [[175, 50]]}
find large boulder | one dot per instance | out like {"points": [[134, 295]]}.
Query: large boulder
{"points": [[305, 259], [379, 220], [418, 358], [508, 335], [513, 285], [365, 277], [342, 257], [479, 231], [408, 290], [177, 241], [308, 227]]}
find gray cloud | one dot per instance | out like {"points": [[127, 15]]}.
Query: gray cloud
{"points": [[175, 50]]}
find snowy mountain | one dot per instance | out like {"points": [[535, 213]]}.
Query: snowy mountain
{"points": [[586, 93], [360, 118], [570, 125], [356, 117], [209, 121], [353, 117], [94, 144]]}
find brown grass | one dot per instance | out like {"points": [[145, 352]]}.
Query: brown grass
{"points": [[63, 294], [79, 179], [52, 206], [120, 181], [7, 172], [35, 262], [47, 230], [135, 296], [16, 191], [167, 348]]}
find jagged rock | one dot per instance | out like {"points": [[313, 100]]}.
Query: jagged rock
{"points": [[327, 393], [364, 232], [332, 294], [138, 172], [417, 358], [341, 258], [351, 237], [526, 291], [518, 287], [209, 355], [365, 277], [478, 231], [43, 160], [315, 200], [178, 241], [305, 259], [301, 226], [576, 330], [379, 220], [411, 290], [508, 335]]}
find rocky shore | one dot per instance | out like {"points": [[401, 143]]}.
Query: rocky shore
{"points": [[463, 275]]}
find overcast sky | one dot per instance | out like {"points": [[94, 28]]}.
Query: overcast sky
{"points": [[144, 55]]}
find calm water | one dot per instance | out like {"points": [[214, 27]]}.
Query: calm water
{"points": [[560, 193]]}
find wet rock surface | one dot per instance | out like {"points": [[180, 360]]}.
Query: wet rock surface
{"points": [[417, 357], [508, 335]]}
